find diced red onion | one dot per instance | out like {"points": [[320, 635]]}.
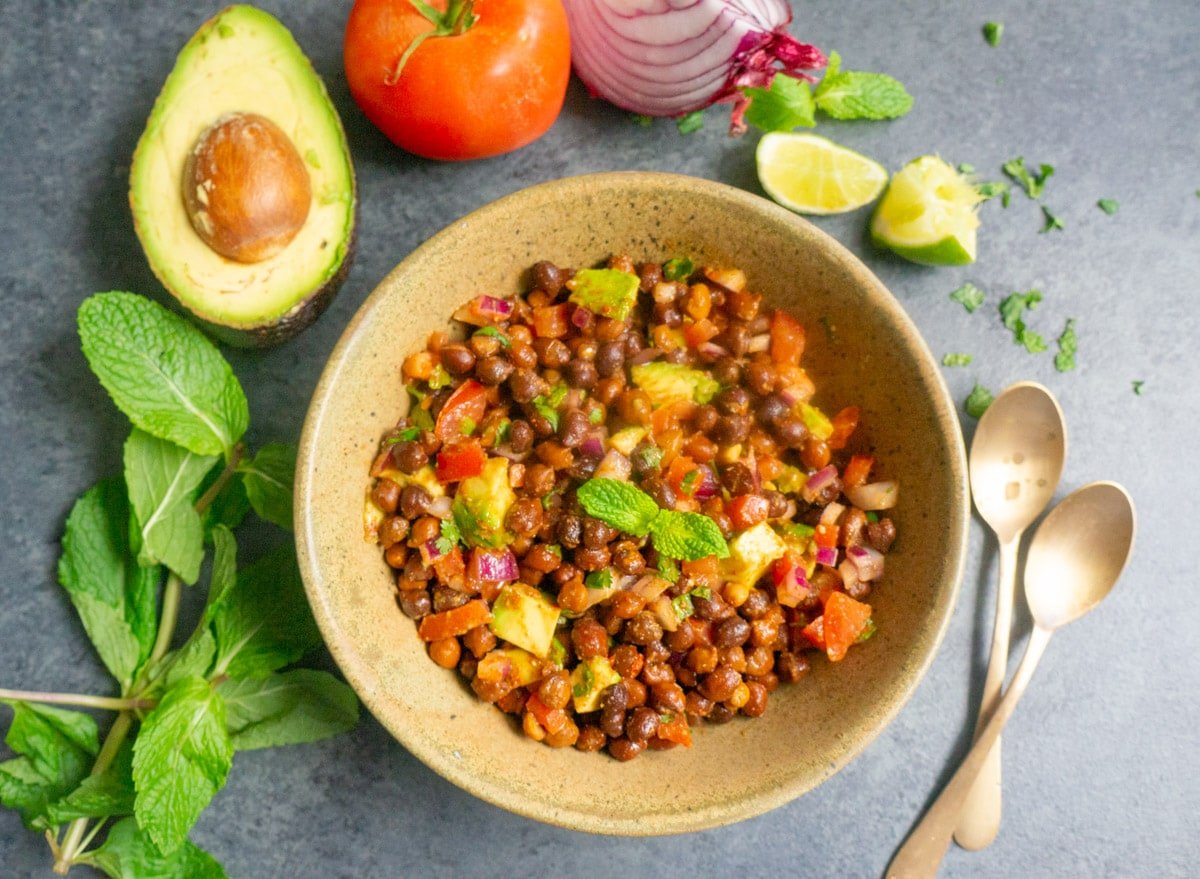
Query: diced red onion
{"points": [[818, 482], [832, 513], [506, 451], [797, 393], [664, 612], [440, 507], [706, 485], [875, 495], [582, 317], [494, 306], [483, 310], [792, 586], [868, 562], [827, 556], [849, 574], [650, 587], [666, 57], [493, 565], [430, 552], [593, 445], [595, 596], [645, 356], [711, 351], [758, 344], [614, 466]]}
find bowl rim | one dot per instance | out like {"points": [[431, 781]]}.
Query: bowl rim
{"points": [[440, 761]]}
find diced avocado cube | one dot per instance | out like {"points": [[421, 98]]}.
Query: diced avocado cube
{"points": [[607, 292], [589, 680], [526, 668], [525, 617], [751, 553], [481, 504], [671, 382], [816, 421], [425, 477], [626, 440]]}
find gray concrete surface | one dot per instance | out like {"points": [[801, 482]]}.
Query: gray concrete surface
{"points": [[1101, 779]]}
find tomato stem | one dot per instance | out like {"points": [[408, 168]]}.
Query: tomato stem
{"points": [[455, 21]]}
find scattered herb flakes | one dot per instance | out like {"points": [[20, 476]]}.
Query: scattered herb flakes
{"points": [[1064, 360], [957, 360], [966, 168], [1109, 205], [978, 401], [969, 296], [678, 269], [690, 123], [640, 120], [1012, 308], [993, 31], [992, 188], [1138, 384], [1034, 183], [504, 341], [1052, 221], [1005, 197]]}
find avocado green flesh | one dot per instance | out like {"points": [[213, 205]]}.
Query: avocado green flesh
{"points": [[245, 61], [524, 617]]}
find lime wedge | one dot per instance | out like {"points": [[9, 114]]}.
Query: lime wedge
{"points": [[812, 175], [928, 214]]}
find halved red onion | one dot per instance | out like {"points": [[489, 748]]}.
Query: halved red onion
{"points": [[818, 482], [440, 507], [875, 495], [665, 58], [868, 562], [493, 565], [827, 556], [614, 466], [832, 513]]}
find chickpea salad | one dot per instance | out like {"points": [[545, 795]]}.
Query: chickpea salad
{"points": [[616, 510]]}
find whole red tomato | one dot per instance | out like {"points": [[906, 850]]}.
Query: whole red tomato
{"points": [[489, 89]]}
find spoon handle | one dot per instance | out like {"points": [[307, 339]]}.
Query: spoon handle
{"points": [[922, 852], [979, 821]]}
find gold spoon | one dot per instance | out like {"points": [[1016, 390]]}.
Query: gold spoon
{"points": [[1016, 460], [1074, 561]]}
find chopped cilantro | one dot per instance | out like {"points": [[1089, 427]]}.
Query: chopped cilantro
{"points": [[992, 32], [1011, 309], [683, 606], [586, 681], [701, 592], [595, 416], [1064, 360], [449, 538], [1005, 197], [678, 269], [966, 168], [649, 457], [978, 401], [467, 425], [439, 378], [690, 123], [602, 579], [872, 516], [957, 360], [495, 334], [1033, 182], [547, 409], [1138, 384], [687, 485], [968, 296], [868, 632], [1109, 205], [1052, 222], [558, 394], [503, 432], [641, 120], [420, 418], [669, 568], [993, 188]]}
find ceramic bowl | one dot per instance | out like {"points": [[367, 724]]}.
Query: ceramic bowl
{"points": [[862, 349]]}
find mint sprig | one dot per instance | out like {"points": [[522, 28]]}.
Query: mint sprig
{"points": [[855, 94], [786, 105], [686, 536]]}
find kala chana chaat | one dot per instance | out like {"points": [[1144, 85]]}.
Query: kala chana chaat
{"points": [[614, 508]]}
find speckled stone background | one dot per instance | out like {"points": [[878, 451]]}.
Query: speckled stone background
{"points": [[1101, 775]]}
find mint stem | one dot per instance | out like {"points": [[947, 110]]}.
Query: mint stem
{"points": [[73, 843], [209, 496], [105, 703]]}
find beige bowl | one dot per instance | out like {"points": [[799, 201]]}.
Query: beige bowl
{"points": [[862, 349]]}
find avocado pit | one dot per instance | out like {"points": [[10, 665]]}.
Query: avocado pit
{"points": [[246, 189]]}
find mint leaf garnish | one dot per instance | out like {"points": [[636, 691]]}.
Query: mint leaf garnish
{"points": [[55, 747], [855, 94], [1068, 345], [687, 536], [786, 105], [504, 341], [128, 853], [992, 32], [968, 296], [289, 708], [268, 478], [620, 504], [978, 401], [1109, 205]]}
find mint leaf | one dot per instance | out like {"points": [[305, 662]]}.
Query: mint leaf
{"points": [[163, 479], [99, 796], [1011, 310], [114, 597], [691, 122], [302, 705], [854, 94], [668, 568], [128, 853], [56, 748], [264, 622], [620, 504], [1068, 346], [223, 576], [687, 536], [268, 479], [957, 360], [968, 296], [992, 32], [163, 373], [1138, 384], [1052, 222], [228, 508], [1109, 205], [180, 760], [786, 105], [978, 401], [1033, 183]]}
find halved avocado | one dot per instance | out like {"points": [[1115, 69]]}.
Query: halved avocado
{"points": [[242, 189]]}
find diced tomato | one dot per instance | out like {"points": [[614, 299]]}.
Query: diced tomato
{"points": [[552, 719], [814, 632], [844, 424], [791, 586], [460, 460], [550, 321], [700, 332], [678, 472], [705, 571], [845, 619], [857, 471], [676, 730], [825, 534], [668, 416], [469, 400], [458, 621], [450, 565], [747, 510], [787, 339]]}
